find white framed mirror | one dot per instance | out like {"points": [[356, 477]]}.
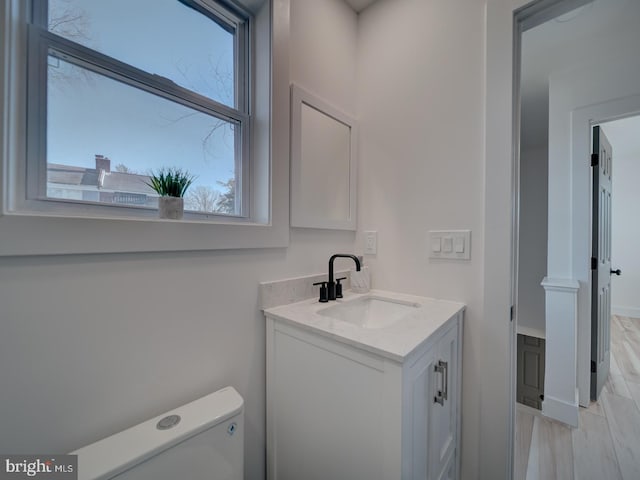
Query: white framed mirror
{"points": [[323, 164]]}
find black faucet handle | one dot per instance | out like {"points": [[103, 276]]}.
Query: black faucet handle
{"points": [[323, 292], [339, 287]]}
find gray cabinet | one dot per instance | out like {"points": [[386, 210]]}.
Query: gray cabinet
{"points": [[530, 372]]}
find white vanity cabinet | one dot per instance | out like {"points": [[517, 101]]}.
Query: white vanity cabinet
{"points": [[434, 385], [342, 407]]}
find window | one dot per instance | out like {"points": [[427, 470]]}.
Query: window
{"points": [[120, 88], [34, 222]]}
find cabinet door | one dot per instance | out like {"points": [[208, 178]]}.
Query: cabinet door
{"points": [[327, 406], [443, 405], [421, 381]]}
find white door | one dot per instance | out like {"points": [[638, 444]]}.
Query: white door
{"points": [[600, 262]]}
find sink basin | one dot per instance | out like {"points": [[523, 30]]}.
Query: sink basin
{"points": [[370, 312]]}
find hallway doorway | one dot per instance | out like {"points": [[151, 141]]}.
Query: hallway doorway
{"points": [[606, 427]]}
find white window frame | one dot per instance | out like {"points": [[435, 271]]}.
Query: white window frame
{"points": [[42, 43], [25, 230]]}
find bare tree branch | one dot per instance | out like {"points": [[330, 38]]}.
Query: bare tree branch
{"points": [[202, 199], [71, 23]]}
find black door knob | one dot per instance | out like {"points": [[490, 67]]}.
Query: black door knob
{"points": [[616, 272]]}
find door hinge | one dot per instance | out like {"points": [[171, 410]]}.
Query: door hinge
{"points": [[512, 313], [593, 366], [595, 159], [594, 263]]}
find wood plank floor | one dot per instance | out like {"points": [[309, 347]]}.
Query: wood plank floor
{"points": [[606, 446]]}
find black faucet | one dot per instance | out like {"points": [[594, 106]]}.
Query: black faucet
{"points": [[331, 285]]}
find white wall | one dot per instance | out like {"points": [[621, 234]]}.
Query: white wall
{"points": [[532, 248], [625, 231], [91, 344], [323, 62], [420, 90]]}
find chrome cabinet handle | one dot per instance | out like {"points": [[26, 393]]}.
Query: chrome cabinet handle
{"points": [[442, 367]]}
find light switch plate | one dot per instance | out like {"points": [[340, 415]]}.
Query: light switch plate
{"points": [[371, 242], [450, 244]]}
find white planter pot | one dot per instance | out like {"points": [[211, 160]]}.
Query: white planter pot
{"points": [[171, 207]]}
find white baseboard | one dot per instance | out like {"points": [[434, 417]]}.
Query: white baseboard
{"points": [[560, 410], [633, 312], [530, 332], [520, 407]]}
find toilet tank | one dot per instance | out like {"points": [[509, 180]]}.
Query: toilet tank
{"points": [[202, 440]]}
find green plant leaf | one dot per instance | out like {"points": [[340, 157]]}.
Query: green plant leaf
{"points": [[170, 181]]}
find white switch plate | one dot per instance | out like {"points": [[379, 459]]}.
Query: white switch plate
{"points": [[371, 242], [454, 244]]}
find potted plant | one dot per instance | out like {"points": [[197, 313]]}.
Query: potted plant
{"points": [[171, 184]]}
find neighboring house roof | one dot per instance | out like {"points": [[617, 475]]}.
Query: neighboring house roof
{"points": [[70, 175], [127, 182], [99, 178]]}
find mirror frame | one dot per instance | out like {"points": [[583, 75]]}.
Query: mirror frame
{"points": [[300, 217]]}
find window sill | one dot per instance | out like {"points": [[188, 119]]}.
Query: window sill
{"points": [[88, 211], [35, 234]]}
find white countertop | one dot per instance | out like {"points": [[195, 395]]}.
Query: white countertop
{"points": [[395, 341]]}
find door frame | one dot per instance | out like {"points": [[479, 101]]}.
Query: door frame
{"points": [[504, 24], [583, 120]]}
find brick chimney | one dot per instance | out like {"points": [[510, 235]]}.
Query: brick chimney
{"points": [[103, 163]]}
